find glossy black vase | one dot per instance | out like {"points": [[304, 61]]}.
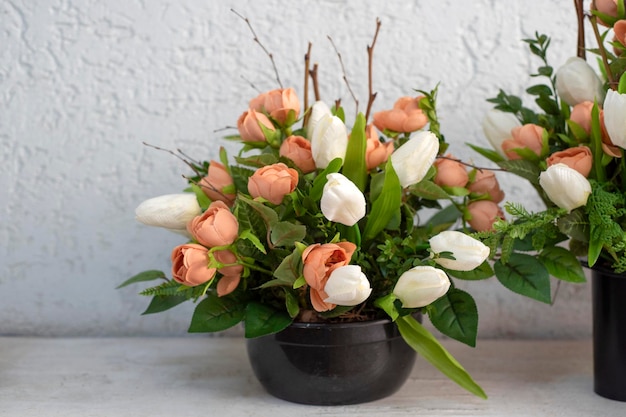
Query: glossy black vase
{"points": [[332, 364], [609, 333]]}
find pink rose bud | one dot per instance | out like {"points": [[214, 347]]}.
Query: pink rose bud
{"points": [[484, 214], [578, 158], [231, 272], [581, 115], [619, 28], [527, 136], [217, 226], [189, 265], [405, 117], [608, 7], [376, 152], [273, 182], [249, 126], [450, 173], [298, 149], [485, 182], [214, 183], [278, 104]]}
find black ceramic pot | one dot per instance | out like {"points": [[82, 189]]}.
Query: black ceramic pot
{"points": [[609, 333], [332, 364]]}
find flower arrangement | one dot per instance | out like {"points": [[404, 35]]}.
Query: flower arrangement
{"points": [[571, 149], [312, 222]]}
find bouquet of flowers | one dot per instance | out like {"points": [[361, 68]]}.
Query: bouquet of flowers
{"points": [[570, 148], [312, 221]]}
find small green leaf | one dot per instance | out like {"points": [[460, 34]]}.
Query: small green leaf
{"points": [[525, 169], [214, 314], [203, 200], [483, 271], [285, 234], [429, 190], [150, 275], [455, 315], [386, 206], [387, 304], [261, 320], [248, 235], [354, 166], [539, 89], [321, 180], [300, 282], [447, 215], [562, 264], [525, 275], [490, 154], [258, 161], [291, 302], [161, 303], [289, 269]]}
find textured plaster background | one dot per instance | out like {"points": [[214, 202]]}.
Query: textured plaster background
{"points": [[83, 83]]}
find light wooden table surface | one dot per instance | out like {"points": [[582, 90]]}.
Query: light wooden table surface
{"points": [[200, 376]]}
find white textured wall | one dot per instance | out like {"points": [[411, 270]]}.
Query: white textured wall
{"points": [[83, 83]]}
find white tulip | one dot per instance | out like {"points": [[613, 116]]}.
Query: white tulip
{"points": [[318, 110], [576, 82], [171, 211], [347, 286], [615, 117], [342, 201], [497, 126], [329, 140], [565, 187], [468, 252], [412, 160], [420, 286]]}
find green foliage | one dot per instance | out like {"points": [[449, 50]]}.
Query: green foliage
{"points": [[525, 275], [214, 314], [455, 315]]}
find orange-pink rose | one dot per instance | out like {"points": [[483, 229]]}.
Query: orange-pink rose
{"points": [[190, 265], [376, 152], [249, 126], [406, 116], [527, 136], [485, 182], [581, 115], [578, 158], [273, 182], [217, 226], [214, 183], [231, 272], [484, 213], [608, 7], [319, 262], [278, 104], [450, 173], [619, 28], [298, 149]]}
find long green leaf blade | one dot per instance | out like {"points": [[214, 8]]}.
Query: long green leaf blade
{"points": [[354, 166], [386, 205]]}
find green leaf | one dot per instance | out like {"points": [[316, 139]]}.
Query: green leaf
{"points": [[289, 269], [525, 275], [285, 234], [483, 271], [258, 161], [386, 205], [425, 344], [455, 315], [575, 225], [261, 320], [562, 264], [387, 304], [490, 154], [214, 314], [321, 180], [248, 235], [291, 302], [203, 201], [447, 215], [525, 169], [268, 214], [429, 190], [539, 89], [161, 303], [150, 275], [354, 166]]}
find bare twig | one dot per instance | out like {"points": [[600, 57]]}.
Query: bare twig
{"points": [[211, 187], [316, 87], [187, 162], [481, 169], [605, 59], [370, 55], [345, 77], [307, 63], [251, 84], [580, 15], [256, 39]]}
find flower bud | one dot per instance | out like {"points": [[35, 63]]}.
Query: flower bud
{"points": [[497, 126], [412, 160], [527, 136], [249, 126], [468, 252], [484, 213], [615, 117], [565, 186], [319, 110], [485, 182], [273, 182], [347, 286], [190, 265], [342, 201], [581, 115], [298, 149], [420, 286], [217, 226], [619, 28], [576, 82], [450, 173], [578, 158], [329, 140], [277, 104], [214, 183], [171, 211], [405, 117], [376, 152]]}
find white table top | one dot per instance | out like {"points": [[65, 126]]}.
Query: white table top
{"points": [[201, 376]]}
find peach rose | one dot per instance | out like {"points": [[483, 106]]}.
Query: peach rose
{"points": [[298, 149], [485, 182], [526, 136], [376, 152], [231, 273], [249, 126], [273, 182], [190, 265], [620, 31], [484, 214], [581, 115], [278, 103], [450, 173], [578, 158], [608, 7], [216, 180], [319, 262], [217, 226], [406, 116]]}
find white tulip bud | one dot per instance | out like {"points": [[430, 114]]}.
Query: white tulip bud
{"points": [[412, 160], [615, 117], [468, 252], [565, 187], [420, 286], [329, 140], [347, 286], [342, 201], [576, 82], [171, 211], [497, 126], [318, 110]]}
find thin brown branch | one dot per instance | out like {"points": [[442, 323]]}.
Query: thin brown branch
{"points": [[605, 59], [188, 163], [226, 199], [580, 16], [251, 84], [481, 169], [370, 82], [316, 87], [345, 77], [307, 63], [256, 39]]}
